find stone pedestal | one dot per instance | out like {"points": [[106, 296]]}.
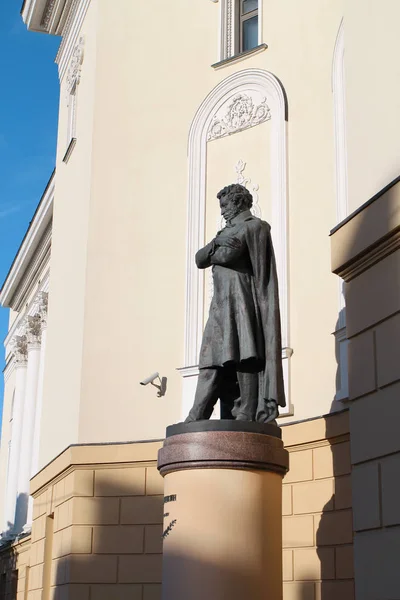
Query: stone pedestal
{"points": [[222, 511]]}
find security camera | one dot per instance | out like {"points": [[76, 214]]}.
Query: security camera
{"points": [[150, 379]]}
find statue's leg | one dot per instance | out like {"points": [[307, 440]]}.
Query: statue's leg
{"points": [[245, 410], [229, 392], [207, 394]]}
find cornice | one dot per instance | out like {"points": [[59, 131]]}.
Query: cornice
{"points": [[45, 16], [32, 252], [370, 257], [369, 235]]}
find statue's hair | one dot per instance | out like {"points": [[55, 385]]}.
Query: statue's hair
{"points": [[238, 194]]}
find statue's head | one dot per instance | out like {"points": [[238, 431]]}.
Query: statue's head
{"points": [[234, 199]]}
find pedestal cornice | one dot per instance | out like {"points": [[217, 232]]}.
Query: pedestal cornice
{"points": [[223, 444]]}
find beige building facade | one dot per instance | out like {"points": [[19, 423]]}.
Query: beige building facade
{"points": [[161, 106]]}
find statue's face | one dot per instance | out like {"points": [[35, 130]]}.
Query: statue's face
{"points": [[229, 210]]}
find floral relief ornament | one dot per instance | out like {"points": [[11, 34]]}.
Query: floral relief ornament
{"points": [[74, 71], [241, 114]]}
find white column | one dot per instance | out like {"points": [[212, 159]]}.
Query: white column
{"points": [[20, 360], [33, 334], [42, 311]]}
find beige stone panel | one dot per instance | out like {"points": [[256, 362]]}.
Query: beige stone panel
{"points": [[315, 430], [300, 466], [287, 505], [343, 494], [152, 592], [313, 497], [366, 496], [332, 590], [36, 577], [117, 592], [332, 460], [120, 482], [154, 482], [38, 528], [143, 568], [314, 563], [58, 575], [63, 515], [372, 438], [153, 541], [59, 492], [344, 562], [387, 341], [390, 470], [298, 531], [374, 295], [287, 562], [297, 591], [93, 568], [39, 506], [123, 539], [361, 364], [78, 539], [376, 563], [74, 592], [79, 483], [138, 511], [95, 511], [333, 528]]}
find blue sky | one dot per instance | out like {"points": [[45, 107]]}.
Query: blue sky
{"points": [[28, 131]]}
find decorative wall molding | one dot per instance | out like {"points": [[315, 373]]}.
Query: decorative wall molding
{"points": [[42, 308], [246, 82], [75, 67], [18, 328], [32, 254], [20, 350], [70, 34], [252, 187], [33, 331], [242, 112], [47, 14]]}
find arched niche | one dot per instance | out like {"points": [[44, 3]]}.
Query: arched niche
{"points": [[268, 103]]}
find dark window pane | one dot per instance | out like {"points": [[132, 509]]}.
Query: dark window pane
{"points": [[249, 5], [250, 34]]}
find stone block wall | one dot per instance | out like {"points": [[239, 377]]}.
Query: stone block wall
{"points": [[317, 515], [97, 531]]}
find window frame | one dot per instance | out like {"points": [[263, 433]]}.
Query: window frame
{"points": [[240, 20]]}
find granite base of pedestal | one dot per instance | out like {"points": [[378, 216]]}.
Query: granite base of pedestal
{"points": [[222, 511]]}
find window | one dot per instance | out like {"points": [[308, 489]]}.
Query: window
{"points": [[71, 122], [247, 25]]}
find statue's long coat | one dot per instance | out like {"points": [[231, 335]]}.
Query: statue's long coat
{"points": [[244, 327]]}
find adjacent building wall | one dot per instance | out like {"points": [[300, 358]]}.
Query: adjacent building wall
{"points": [[366, 253]]}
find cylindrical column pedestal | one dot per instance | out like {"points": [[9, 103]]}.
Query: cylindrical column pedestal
{"points": [[222, 511]]}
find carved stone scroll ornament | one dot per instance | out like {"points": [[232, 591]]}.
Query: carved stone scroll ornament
{"points": [[34, 330], [42, 308], [74, 71], [240, 114], [20, 350]]}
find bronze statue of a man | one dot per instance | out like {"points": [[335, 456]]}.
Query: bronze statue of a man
{"points": [[241, 353]]}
